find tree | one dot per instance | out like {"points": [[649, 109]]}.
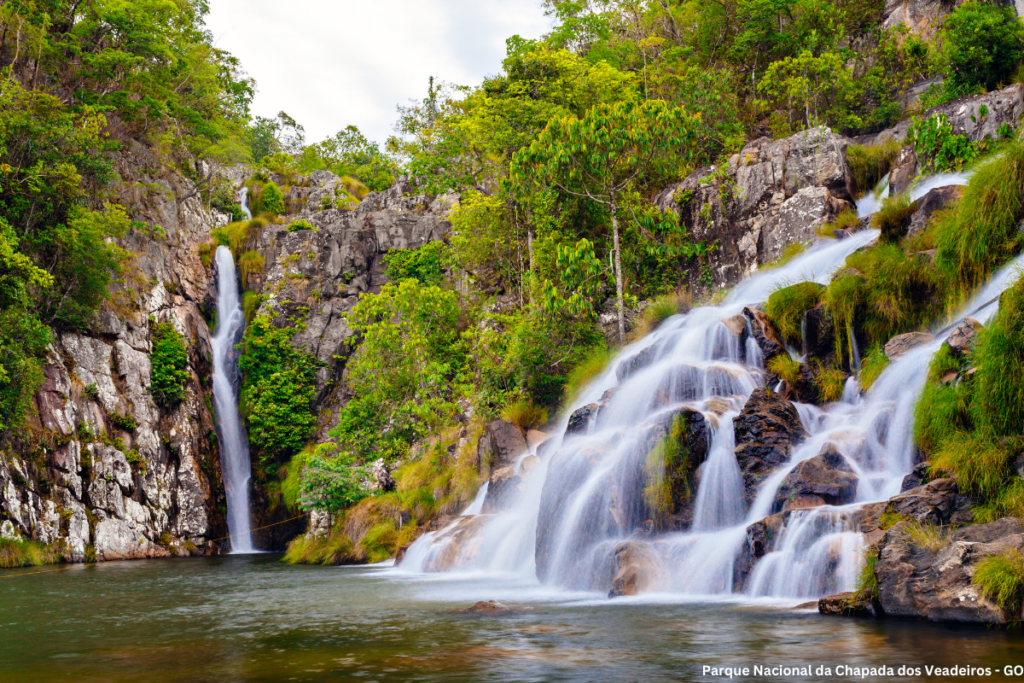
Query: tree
{"points": [[984, 44], [602, 157]]}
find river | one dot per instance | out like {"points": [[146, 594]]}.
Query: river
{"points": [[253, 618]]}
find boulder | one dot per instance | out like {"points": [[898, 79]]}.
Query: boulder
{"points": [[581, 419], [505, 484], [766, 430], [963, 338], [825, 479], [501, 443], [920, 582], [768, 340], [535, 438], [638, 569], [679, 384], [799, 218], [902, 344], [636, 363], [935, 200], [848, 604], [491, 607], [382, 479], [761, 538], [917, 477], [937, 502]]}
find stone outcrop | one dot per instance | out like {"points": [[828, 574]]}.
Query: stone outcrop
{"points": [[502, 442], [902, 344], [825, 479], [915, 580], [116, 476], [963, 338], [638, 569], [964, 115], [505, 484], [776, 193], [766, 430], [936, 199]]}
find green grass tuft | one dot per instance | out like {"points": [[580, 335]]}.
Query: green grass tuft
{"points": [[925, 536], [872, 366], [660, 310], [785, 368], [831, 383], [867, 580], [524, 414], [893, 217], [592, 365], [786, 307], [869, 163], [1001, 580]]}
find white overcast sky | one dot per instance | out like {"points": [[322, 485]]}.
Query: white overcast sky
{"points": [[331, 63]]}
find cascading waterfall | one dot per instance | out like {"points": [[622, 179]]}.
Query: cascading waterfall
{"points": [[587, 494], [234, 445], [243, 200]]}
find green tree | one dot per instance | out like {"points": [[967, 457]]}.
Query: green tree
{"points": [[984, 45], [271, 199], [602, 157], [168, 361]]}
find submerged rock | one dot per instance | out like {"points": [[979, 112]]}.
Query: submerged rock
{"points": [[825, 479], [636, 363], [506, 484], [638, 569], [491, 607], [848, 604]]}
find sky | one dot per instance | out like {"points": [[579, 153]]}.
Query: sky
{"points": [[332, 63]]}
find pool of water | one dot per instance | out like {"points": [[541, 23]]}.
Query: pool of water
{"points": [[253, 618]]}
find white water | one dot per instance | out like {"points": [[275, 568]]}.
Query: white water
{"points": [[586, 496], [243, 200], [234, 446]]}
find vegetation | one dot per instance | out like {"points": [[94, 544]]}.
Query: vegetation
{"points": [[872, 366], [168, 365], [786, 307], [926, 536], [870, 163], [1001, 579], [893, 217], [15, 552], [831, 383], [984, 43], [785, 368], [867, 580]]}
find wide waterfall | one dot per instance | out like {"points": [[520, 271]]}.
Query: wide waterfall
{"points": [[234, 446], [585, 499]]}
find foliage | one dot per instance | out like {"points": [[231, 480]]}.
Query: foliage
{"points": [[349, 153], [846, 220], [524, 414], [893, 217], [925, 535], [239, 237], [250, 263], [425, 265], [785, 367], [998, 393], [592, 364], [660, 310], [15, 552], [872, 366], [870, 163], [831, 383], [301, 224], [1001, 579], [867, 580], [271, 200], [278, 388], [937, 147], [403, 375], [331, 483], [168, 363], [984, 43], [786, 307], [980, 465]]}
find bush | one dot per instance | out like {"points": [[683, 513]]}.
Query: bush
{"points": [[15, 553], [168, 363], [425, 265], [870, 163], [937, 148], [984, 43], [893, 217], [524, 414], [251, 302], [332, 483], [1001, 580], [786, 307], [998, 396], [301, 224], [239, 237], [271, 200]]}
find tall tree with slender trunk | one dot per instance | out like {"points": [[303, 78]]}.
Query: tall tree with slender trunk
{"points": [[605, 155]]}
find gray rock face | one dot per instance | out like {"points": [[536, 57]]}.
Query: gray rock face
{"points": [[1004, 106], [936, 199], [501, 443], [962, 339], [777, 193], [935, 584]]}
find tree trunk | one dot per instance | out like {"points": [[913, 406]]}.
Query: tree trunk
{"points": [[618, 274]]}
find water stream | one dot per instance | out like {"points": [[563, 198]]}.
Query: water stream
{"points": [[586, 495], [234, 446]]}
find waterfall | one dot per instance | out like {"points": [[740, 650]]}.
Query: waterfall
{"points": [[234, 446], [586, 498], [243, 200]]}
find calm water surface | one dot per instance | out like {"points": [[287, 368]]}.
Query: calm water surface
{"points": [[252, 618]]}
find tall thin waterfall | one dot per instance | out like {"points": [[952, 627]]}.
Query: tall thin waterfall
{"points": [[234, 446], [243, 200]]}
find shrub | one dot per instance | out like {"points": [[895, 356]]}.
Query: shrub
{"points": [[15, 552], [786, 307], [937, 148], [251, 302], [981, 466], [168, 363], [272, 200], [239, 237], [332, 483], [984, 43], [524, 414], [1001, 580], [870, 163], [784, 367], [425, 265], [123, 422], [301, 224], [893, 217]]}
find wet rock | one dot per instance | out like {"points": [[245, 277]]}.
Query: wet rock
{"points": [[506, 484], [761, 538], [457, 546], [636, 363], [919, 582], [678, 384], [492, 607], [502, 442], [847, 605], [766, 430], [819, 333], [825, 479], [764, 334], [917, 477], [535, 438], [638, 569], [935, 200], [581, 419], [902, 344], [962, 339], [904, 172], [736, 324]]}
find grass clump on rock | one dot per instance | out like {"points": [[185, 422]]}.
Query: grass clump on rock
{"points": [[1001, 580], [872, 367], [660, 310], [786, 307], [893, 217], [868, 164], [785, 368]]}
